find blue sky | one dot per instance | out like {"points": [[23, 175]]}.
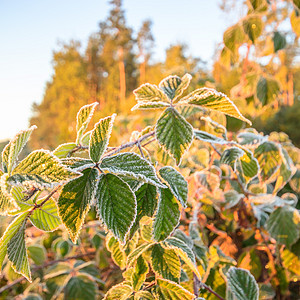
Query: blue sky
{"points": [[31, 29]]}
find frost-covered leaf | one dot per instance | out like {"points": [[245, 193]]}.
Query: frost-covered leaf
{"points": [[165, 263], [151, 93], [136, 253], [232, 198], [146, 198], [77, 163], [131, 165], [63, 150], [150, 105], [80, 287], [75, 200], [10, 231], [46, 217], [174, 86], [250, 138], [174, 291], [41, 167], [119, 292], [184, 252], [241, 285], [100, 137], [285, 172], [12, 150], [117, 251], [209, 138], [176, 183], [17, 253], [116, 205], [146, 225], [230, 156], [212, 100], [295, 181], [140, 271], [83, 119], [143, 295], [269, 159], [284, 225], [174, 133], [267, 90], [253, 27], [7, 203], [167, 215], [248, 165]]}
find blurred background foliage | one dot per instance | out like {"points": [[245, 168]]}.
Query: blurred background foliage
{"points": [[256, 64]]}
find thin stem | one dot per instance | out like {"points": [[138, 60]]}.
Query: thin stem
{"points": [[208, 288], [129, 144]]}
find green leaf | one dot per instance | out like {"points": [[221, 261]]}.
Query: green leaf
{"points": [[165, 263], [10, 231], [241, 284], [141, 269], [212, 100], [46, 217], [253, 27], [117, 252], [116, 205], [233, 37], [136, 253], [17, 253], [269, 158], [290, 261], [12, 150], [284, 225], [267, 90], [150, 93], [146, 226], [100, 137], [83, 119], [63, 150], [80, 287], [146, 197], [119, 292], [297, 3], [174, 133], [184, 252], [150, 105], [279, 41], [209, 138], [37, 253], [131, 165], [174, 291], [259, 5], [42, 168], [75, 200], [176, 183], [174, 86], [167, 215]]}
